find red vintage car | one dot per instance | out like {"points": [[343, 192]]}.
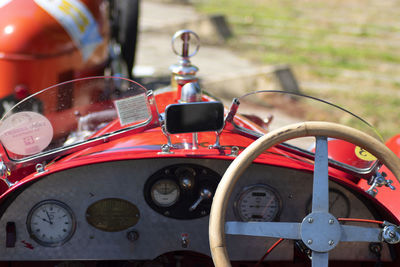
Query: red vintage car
{"points": [[123, 176], [44, 42]]}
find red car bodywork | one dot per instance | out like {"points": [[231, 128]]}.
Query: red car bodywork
{"points": [[36, 51]]}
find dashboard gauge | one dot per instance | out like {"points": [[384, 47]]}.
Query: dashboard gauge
{"points": [[51, 223], [165, 193], [258, 203], [339, 204]]}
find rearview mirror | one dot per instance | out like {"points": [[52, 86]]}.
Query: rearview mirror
{"points": [[194, 117]]}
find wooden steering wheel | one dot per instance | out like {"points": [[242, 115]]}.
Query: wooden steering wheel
{"points": [[320, 231]]}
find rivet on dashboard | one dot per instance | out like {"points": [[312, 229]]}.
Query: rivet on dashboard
{"points": [[310, 220], [132, 235]]}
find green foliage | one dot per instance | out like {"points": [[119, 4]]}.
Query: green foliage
{"points": [[349, 44]]}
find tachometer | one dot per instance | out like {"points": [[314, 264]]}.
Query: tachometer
{"points": [[51, 223], [165, 193], [259, 203]]}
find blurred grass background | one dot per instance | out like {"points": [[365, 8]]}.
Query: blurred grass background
{"points": [[347, 52]]}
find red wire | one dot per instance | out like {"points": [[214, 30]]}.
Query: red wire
{"points": [[359, 220], [339, 219], [269, 251]]}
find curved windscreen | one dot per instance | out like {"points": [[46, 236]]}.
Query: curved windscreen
{"points": [[71, 113], [275, 109]]}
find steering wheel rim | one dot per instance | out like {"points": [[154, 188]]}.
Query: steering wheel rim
{"points": [[240, 164]]}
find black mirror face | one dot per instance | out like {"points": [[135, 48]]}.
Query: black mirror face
{"points": [[194, 117]]}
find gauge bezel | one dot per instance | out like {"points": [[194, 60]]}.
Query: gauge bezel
{"points": [[245, 189], [54, 202], [200, 177], [156, 202]]}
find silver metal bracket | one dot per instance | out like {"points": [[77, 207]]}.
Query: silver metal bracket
{"points": [[4, 173], [165, 149], [234, 151], [390, 233], [378, 180], [217, 144], [227, 123], [195, 141], [40, 168], [164, 131]]}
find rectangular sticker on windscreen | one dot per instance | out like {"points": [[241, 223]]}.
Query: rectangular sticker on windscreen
{"points": [[132, 109]]}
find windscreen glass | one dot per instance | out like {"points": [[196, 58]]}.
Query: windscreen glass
{"points": [[72, 113], [275, 109]]}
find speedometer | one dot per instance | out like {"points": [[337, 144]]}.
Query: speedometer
{"points": [[258, 203]]}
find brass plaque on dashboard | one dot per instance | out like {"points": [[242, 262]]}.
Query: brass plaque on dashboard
{"points": [[112, 214]]}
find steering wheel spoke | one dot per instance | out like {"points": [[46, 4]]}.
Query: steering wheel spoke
{"points": [[266, 229], [352, 233], [320, 197], [320, 259], [320, 231]]}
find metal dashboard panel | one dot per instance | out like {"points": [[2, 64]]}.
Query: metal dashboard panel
{"points": [[81, 187]]}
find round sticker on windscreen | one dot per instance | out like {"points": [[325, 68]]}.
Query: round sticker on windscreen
{"points": [[26, 133], [364, 154]]}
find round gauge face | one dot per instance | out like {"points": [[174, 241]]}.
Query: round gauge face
{"points": [[257, 203], [165, 193], [51, 223]]}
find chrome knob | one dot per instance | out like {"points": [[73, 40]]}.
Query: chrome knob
{"points": [[204, 194]]}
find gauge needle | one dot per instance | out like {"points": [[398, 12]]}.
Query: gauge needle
{"points": [[48, 216], [267, 205], [43, 219]]}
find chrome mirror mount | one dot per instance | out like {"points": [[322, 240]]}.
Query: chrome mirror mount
{"points": [[4, 173]]}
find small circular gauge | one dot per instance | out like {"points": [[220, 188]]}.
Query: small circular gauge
{"points": [[51, 223], [258, 203], [165, 193], [339, 204]]}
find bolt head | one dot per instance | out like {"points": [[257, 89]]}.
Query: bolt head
{"points": [[330, 242], [310, 220], [331, 221], [309, 241]]}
